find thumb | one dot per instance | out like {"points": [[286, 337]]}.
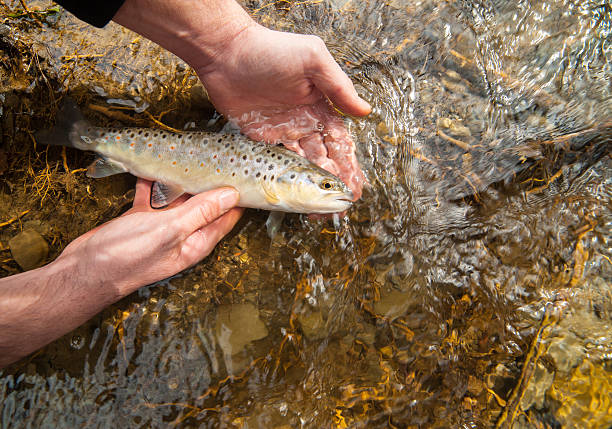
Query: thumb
{"points": [[336, 85], [203, 209]]}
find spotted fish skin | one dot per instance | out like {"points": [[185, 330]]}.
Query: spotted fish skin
{"points": [[267, 177]]}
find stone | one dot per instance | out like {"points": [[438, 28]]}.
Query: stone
{"points": [[444, 122], [536, 390], [460, 130], [455, 127], [29, 249], [5, 30], [366, 333], [393, 304], [567, 352], [312, 324], [238, 325]]}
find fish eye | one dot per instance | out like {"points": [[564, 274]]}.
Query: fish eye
{"points": [[326, 184]]}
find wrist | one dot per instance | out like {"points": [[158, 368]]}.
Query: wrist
{"points": [[82, 271], [196, 31]]}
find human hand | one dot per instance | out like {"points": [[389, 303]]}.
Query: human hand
{"points": [[276, 87], [145, 245]]}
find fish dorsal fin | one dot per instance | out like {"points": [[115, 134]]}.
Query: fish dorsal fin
{"points": [[104, 167], [163, 194]]}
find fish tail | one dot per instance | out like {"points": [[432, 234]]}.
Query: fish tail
{"points": [[69, 127]]}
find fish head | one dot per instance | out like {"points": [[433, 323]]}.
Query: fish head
{"points": [[311, 189]]}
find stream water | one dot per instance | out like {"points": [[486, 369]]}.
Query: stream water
{"points": [[468, 288]]}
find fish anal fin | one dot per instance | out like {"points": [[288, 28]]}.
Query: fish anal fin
{"points": [[103, 167], [163, 194]]}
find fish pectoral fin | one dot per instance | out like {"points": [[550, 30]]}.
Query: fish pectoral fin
{"points": [[104, 167], [274, 223], [270, 197], [163, 194]]}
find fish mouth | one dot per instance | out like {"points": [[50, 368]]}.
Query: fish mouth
{"points": [[345, 199], [344, 202], [335, 204], [347, 196]]}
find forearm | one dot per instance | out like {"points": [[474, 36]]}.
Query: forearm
{"points": [[39, 306], [108, 263], [195, 30]]}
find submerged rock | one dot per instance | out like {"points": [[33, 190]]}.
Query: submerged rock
{"points": [[29, 249], [238, 325], [537, 388], [567, 352], [312, 324], [394, 304]]}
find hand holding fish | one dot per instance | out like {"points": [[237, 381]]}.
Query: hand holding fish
{"points": [[145, 245], [278, 87], [282, 97], [109, 262]]}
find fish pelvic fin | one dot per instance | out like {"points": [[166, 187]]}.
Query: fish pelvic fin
{"points": [[70, 125], [162, 194], [104, 167]]}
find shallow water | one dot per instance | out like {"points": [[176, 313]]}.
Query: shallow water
{"points": [[469, 287]]}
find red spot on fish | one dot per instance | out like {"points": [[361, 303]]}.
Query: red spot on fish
{"points": [[131, 144], [215, 157], [150, 144], [171, 147], [173, 162], [118, 137]]}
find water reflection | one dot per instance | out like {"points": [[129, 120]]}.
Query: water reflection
{"points": [[469, 285]]}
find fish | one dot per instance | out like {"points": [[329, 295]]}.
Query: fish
{"points": [[266, 176]]}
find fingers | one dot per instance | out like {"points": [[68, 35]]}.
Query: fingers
{"points": [[202, 241], [203, 209], [276, 127], [315, 132], [316, 151], [295, 146], [335, 84], [341, 150], [142, 197]]}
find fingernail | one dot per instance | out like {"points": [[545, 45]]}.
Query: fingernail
{"points": [[228, 198]]}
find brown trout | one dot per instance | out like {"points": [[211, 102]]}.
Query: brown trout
{"points": [[266, 176]]}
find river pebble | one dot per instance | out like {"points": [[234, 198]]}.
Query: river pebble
{"points": [[29, 249], [238, 325]]}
